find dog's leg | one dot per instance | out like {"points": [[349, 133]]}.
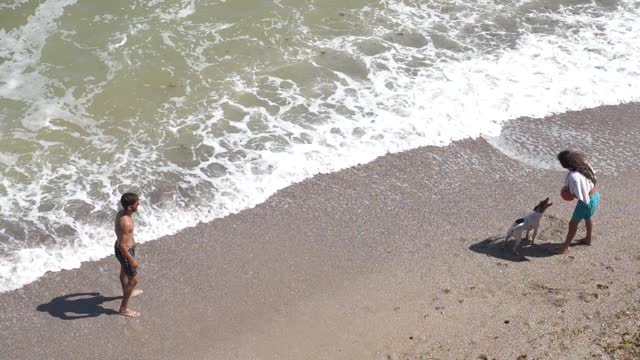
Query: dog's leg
{"points": [[506, 237], [509, 232], [535, 232], [518, 238]]}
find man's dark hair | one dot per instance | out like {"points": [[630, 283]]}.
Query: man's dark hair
{"points": [[128, 199]]}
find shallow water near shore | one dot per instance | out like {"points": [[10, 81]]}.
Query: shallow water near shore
{"points": [[208, 108]]}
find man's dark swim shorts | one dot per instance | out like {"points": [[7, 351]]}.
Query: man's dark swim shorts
{"points": [[128, 269]]}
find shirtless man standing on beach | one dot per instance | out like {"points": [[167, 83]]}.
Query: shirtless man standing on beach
{"points": [[125, 250]]}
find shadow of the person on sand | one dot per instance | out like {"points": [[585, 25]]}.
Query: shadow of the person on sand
{"points": [[78, 306], [498, 248]]}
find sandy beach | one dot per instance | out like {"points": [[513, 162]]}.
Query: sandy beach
{"points": [[393, 259]]}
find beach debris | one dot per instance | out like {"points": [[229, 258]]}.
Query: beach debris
{"points": [[607, 267], [559, 301], [483, 357], [588, 297], [507, 321], [522, 357], [602, 287], [447, 291]]}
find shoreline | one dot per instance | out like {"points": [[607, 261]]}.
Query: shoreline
{"points": [[382, 260]]}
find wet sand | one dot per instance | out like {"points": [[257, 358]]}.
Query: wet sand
{"points": [[394, 259]]}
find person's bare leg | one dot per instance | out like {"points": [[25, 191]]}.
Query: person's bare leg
{"points": [[124, 279], [571, 233], [589, 225], [128, 290]]}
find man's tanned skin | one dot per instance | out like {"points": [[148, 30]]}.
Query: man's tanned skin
{"points": [[125, 251]]}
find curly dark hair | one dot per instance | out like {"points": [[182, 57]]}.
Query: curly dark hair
{"points": [[576, 161], [128, 199]]}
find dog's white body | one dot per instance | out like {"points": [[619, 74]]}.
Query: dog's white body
{"points": [[527, 223]]}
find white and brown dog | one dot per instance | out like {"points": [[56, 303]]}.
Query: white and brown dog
{"points": [[527, 223]]}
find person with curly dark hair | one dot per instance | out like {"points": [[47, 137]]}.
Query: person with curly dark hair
{"points": [[580, 183]]}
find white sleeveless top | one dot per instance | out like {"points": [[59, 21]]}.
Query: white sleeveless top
{"points": [[579, 185]]}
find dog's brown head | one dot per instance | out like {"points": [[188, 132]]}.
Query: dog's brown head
{"points": [[542, 206]]}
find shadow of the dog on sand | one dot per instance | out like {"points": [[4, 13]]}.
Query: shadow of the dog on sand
{"points": [[551, 228], [498, 248]]}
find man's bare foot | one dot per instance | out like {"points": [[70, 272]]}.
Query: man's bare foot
{"points": [[563, 250], [129, 313], [136, 292]]}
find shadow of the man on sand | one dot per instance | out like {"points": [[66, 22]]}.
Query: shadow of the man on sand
{"points": [[78, 306], [498, 248]]}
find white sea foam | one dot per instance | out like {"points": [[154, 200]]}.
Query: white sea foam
{"points": [[8, 159], [13, 4], [23, 48], [183, 10], [399, 93], [122, 41]]}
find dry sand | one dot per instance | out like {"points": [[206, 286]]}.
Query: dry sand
{"points": [[388, 260]]}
